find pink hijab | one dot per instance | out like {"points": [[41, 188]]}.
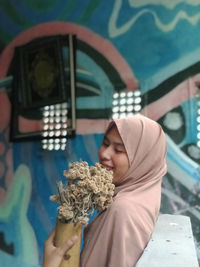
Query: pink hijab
{"points": [[118, 236]]}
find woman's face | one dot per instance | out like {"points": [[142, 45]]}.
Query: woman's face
{"points": [[112, 154]]}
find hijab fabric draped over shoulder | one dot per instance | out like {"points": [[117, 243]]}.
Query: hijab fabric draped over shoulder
{"points": [[118, 236]]}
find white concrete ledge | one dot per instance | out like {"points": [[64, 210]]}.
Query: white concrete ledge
{"points": [[171, 245]]}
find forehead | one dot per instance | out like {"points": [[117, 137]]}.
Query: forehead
{"points": [[113, 136]]}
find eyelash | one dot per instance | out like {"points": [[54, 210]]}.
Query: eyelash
{"points": [[104, 144], [116, 150]]}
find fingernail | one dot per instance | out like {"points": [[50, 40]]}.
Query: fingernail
{"points": [[67, 257]]}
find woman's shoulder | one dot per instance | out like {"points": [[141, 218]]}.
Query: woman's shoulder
{"points": [[124, 208], [121, 206]]}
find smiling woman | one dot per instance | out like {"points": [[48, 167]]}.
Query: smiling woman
{"points": [[112, 154], [135, 149]]}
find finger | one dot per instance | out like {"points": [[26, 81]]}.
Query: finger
{"points": [[66, 257], [51, 236], [67, 245]]}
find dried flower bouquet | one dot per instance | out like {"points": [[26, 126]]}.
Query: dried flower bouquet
{"points": [[87, 188]]}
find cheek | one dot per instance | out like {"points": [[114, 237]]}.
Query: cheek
{"points": [[116, 161], [122, 163], [100, 152]]}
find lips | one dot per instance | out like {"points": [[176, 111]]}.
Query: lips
{"points": [[107, 166]]}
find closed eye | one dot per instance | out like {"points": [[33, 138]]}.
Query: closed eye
{"points": [[119, 151], [105, 144]]}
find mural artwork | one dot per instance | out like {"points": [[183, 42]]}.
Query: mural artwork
{"points": [[151, 46]]}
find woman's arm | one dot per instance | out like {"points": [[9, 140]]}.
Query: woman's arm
{"points": [[54, 255]]}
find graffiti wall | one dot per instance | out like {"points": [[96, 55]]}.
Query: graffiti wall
{"points": [[153, 46]]}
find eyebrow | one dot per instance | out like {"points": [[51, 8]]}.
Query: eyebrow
{"points": [[116, 143]]}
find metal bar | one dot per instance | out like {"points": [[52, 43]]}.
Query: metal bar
{"points": [[72, 82]]}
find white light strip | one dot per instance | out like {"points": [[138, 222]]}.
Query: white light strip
{"points": [[54, 127], [126, 104]]}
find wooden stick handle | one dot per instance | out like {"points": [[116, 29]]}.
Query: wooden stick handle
{"points": [[64, 232]]}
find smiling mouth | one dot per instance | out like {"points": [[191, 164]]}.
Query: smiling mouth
{"points": [[107, 167]]}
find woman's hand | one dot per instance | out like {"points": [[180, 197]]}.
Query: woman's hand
{"points": [[54, 255]]}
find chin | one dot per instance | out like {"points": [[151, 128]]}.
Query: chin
{"points": [[114, 181]]}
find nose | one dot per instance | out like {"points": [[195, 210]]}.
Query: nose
{"points": [[107, 152]]}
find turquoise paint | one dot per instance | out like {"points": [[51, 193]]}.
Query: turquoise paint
{"points": [[18, 198]]}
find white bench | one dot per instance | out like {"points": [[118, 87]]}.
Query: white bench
{"points": [[171, 245]]}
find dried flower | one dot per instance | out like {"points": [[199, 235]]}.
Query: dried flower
{"points": [[87, 189]]}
